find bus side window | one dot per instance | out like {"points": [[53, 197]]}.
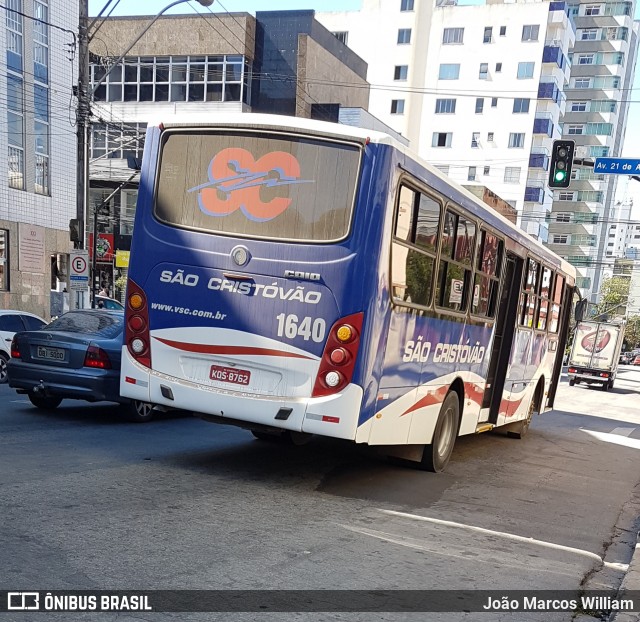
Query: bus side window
{"points": [[529, 295], [414, 247], [485, 285], [456, 262], [545, 292], [558, 290]]}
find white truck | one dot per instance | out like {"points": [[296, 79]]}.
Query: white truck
{"points": [[595, 353]]}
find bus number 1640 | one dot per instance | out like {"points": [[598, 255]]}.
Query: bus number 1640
{"points": [[290, 326]]}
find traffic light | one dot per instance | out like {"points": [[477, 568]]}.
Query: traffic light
{"points": [[561, 161]]}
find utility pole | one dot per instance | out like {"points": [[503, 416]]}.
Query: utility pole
{"points": [[82, 133]]}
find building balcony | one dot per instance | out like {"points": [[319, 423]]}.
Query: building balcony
{"points": [[553, 54], [543, 125], [534, 195], [539, 160]]}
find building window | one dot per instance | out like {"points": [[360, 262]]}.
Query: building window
{"points": [[561, 239], [471, 175], [586, 59], [516, 140], [503, 31], [525, 70], [400, 72], [114, 140], [443, 168], [565, 196], [406, 5], [592, 9], [475, 140], [445, 106], [479, 105], [484, 71], [498, 67], [404, 36], [582, 83], [486, 170], [520, 105], [397, 106], [588, 34], [449, 71], [563, 217], [512, 174], [41, 96], [342, 36], [15, 94], [578, 106], [490, 137], [494, 102], [441, 139], [452, 36], [4, 260], [530, 33], [486, 38], [575, 129], [175, 78]]}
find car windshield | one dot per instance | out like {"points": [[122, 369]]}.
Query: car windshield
{"points": [[106, 325]]}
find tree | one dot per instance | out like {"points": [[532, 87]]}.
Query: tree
{"points": [[632, 332], [613, 298]]}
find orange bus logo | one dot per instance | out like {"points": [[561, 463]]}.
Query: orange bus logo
{"points": [[235, 181]]}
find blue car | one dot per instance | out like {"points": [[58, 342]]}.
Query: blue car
{"points": [[77, 356]]}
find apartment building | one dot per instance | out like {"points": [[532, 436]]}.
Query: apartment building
{"points": [[603, 63], [476, 89], [37, 178]]}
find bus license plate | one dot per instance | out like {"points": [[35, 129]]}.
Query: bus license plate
{"points": [[230, 374], [52, 354]]}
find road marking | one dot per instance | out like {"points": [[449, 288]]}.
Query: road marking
{"points": [[614, 438], [509, 536], [623, 431]]}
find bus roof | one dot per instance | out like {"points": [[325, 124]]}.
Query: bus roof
{"points": [[349, 132]]}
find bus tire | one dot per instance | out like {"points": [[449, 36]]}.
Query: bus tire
{"points": [[436, 455], [139, 412], [521, 428]]}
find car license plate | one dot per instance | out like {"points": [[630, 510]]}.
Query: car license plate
{"points": [[230, 374], [52, 354]]}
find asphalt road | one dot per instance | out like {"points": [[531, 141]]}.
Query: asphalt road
{"points": [[89, 501]]}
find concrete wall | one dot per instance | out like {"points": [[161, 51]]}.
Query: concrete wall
{"points": [[178, 35], [322, 78]]}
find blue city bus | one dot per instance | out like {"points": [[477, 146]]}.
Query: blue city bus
{"points": [[298, 277]]}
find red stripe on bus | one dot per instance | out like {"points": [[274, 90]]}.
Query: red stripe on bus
{"points": [[328, 419], [130, 380], [239, 350]]}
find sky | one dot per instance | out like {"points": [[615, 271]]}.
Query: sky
{"points": [[631, 149]]}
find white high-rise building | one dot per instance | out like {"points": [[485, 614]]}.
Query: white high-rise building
{"points": [[486, 105], [38, 174]]}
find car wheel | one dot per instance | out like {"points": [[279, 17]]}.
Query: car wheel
{"points": [[44, 402], [139, 412], [605, 386], [436, 455], [4, 376], [572, 381]]}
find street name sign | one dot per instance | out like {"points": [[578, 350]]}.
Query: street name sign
{"points": [[79, 270], [617, 166]]}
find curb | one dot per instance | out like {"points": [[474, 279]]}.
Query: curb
{"points": [[631, 582]]}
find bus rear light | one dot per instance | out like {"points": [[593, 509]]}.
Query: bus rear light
{"points": [[137, 323], [137, 336], [339, 357], [97, 358], [15, 350]]}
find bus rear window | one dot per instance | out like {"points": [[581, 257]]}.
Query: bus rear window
{"points": [[260, 185]]}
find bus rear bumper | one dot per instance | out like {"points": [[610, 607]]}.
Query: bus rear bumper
{"points": [[334, 415]]}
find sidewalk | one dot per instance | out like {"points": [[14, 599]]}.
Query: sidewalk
{"points": [[630, 583]]}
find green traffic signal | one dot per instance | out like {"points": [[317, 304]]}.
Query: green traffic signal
{"points": [[560, 176]]}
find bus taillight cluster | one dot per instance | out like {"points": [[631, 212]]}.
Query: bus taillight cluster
{"points": [[339, 356], [137, 325]]}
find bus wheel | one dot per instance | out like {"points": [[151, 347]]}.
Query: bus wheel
{"points": [[522, 427], [436, 456], [139, 412]]}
